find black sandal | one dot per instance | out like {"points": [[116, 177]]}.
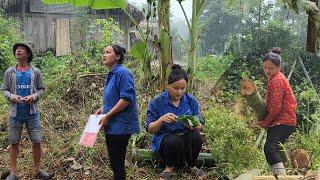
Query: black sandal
{"points": [[167, 175]]}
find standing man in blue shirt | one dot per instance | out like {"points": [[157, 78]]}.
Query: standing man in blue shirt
{"points": [[120, 109], [23, 87], [175, 142]]}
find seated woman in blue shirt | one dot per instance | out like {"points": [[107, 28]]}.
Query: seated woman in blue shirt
{"points": [[175, 142], [120, 109]]}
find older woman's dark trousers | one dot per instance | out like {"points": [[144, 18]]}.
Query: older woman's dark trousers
{"points": [[176, 149], [276, 135], [117, 149]]}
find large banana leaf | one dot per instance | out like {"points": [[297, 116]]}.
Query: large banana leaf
{"points": [[94, 4], [139, 50]]}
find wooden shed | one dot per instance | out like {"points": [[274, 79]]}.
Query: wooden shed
{"points": [[58, 27]]}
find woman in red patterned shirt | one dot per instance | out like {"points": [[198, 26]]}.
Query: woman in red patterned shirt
{"points": [[281, 110]]}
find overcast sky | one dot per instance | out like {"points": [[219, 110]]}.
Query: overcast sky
{"points": [[174, 7]]}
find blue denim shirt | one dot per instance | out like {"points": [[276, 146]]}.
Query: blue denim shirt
{"points": [[161, 105], [120, 85]]}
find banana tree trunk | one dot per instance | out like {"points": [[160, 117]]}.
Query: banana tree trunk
{"points": [[249, 91], [192, 50], [164, 41], [197, 8], [194, 29], [146, 156]]}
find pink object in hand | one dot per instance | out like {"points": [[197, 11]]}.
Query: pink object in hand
{"points": [[88, 139]]}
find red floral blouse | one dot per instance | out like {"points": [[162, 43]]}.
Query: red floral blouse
{"points": [[281, 103]]}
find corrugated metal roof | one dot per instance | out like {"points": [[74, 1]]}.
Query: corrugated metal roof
{"points": [[40, 7]]}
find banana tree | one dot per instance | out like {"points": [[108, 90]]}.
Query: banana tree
{"points": [[163, 7], [141, 52], [194, 33]]}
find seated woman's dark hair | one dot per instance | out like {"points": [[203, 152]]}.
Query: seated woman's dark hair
{"points": [[118, 50], [274, 56], [177, 73]]}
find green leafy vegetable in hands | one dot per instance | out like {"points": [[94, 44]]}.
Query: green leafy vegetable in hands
{"points": [[192, 121]]}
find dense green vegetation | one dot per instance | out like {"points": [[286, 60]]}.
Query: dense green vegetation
{"points": [[236, 44], [231, 142], [9, 34]]}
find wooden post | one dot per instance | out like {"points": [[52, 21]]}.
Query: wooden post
{"points": [[146, 156], [46, 28], [306, 72], [23, 16]]}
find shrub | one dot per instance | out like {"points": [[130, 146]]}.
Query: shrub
{"points": [[231, 142], [212, 67], [9, 34], [308, 103], [109, 30]]}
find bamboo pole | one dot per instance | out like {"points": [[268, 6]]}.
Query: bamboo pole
{"points": [[306, 73]]}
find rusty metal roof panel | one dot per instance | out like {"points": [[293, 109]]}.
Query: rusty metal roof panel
{"points": [[40, 7]]}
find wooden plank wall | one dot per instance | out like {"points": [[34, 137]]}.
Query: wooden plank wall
{"points": [[36, 34], [42, 40], [63, 46]]}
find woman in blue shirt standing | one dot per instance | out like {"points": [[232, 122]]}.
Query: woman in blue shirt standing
{"points": [[175, 142], [120, 109]]}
